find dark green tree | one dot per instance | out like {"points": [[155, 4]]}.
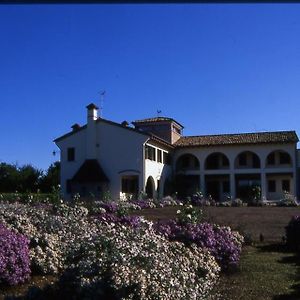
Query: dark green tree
{"points": [[29, 179], [9, 178], [51, 178]]}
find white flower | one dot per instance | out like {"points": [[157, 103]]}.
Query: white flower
{"points": [[178, 211], [189, 216]]}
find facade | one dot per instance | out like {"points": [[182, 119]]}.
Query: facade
{"points": [[154, 157]]}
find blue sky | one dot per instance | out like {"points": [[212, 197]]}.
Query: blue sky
{"points": [[214, 68]]}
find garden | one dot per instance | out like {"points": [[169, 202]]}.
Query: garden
{"points": [[145, 249]]}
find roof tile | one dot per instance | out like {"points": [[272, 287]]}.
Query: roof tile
{"points": [[238, 139]]}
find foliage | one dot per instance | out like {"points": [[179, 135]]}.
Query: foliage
{"points": [[27, 178], [51, 178], [14, 257], [293, 233]]}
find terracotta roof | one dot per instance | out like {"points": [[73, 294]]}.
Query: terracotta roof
{"points": [[90, 171], [155, 120], [238, 139]]}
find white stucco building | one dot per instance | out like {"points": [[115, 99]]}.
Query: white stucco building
{"points": [[154, 157]]}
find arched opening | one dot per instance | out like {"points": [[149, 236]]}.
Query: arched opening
{"points": [[247, 160], [278, 158], [150, 187], [216, 161], [187, 162]]}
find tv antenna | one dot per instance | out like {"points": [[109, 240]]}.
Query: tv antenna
{"points": [[102, 96]]}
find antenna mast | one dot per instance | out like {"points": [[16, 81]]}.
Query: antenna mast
{"points": [[102, 95]]}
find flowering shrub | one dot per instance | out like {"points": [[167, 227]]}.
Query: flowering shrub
{"points": [[293, 233], [54, 232], [225, 245], [14, 257], [127, 263]]}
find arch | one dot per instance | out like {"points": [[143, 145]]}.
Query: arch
{"points": [[150, 187], [278, 158], [247, 160], [216, 160], [187, 162]]}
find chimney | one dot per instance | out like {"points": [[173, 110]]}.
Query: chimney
{"points": [[91, 141], [92, 110], [75, 127]]}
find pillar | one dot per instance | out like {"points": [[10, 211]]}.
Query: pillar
{"points": [[232, 186]]}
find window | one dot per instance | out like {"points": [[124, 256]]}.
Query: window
{"points": [[284, 158], [177, 130], [271, 159], [271, 186], [243, 159], [159, 156], [150, 152], [167, 158], [130, 184], [71, 154], [285, 185]]}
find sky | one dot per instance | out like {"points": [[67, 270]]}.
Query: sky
{"points": [[215, 68]]}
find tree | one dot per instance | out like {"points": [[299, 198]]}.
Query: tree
{"points": [[51, 178], [8, 178]]}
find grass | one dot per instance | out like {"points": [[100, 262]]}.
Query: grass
{"points": [[265, 273]]}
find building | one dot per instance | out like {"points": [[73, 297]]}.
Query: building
{"points": [[153, 156]]}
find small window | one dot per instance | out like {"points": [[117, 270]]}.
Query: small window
{"points": [[167, 158], [243, 159], [285, 184], [71, 154], [150, 152], [271, 186], [284, 158], [177, 130], [271, 159], [159, 156]]}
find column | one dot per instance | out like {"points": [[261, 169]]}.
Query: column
{"points": [[202, 182], [232, 185], [263, 186]]}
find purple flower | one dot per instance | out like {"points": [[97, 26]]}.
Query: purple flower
{"points": [[14, 257]]}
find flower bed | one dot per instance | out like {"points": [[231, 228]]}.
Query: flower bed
{"points": [[108, 254]]}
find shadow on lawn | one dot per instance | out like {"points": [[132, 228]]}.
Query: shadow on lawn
{"points": [[294, 260]]}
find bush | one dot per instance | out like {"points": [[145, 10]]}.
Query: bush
{"points": [[14, 257], [225, 245], [293, 233], [139, 264]]}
